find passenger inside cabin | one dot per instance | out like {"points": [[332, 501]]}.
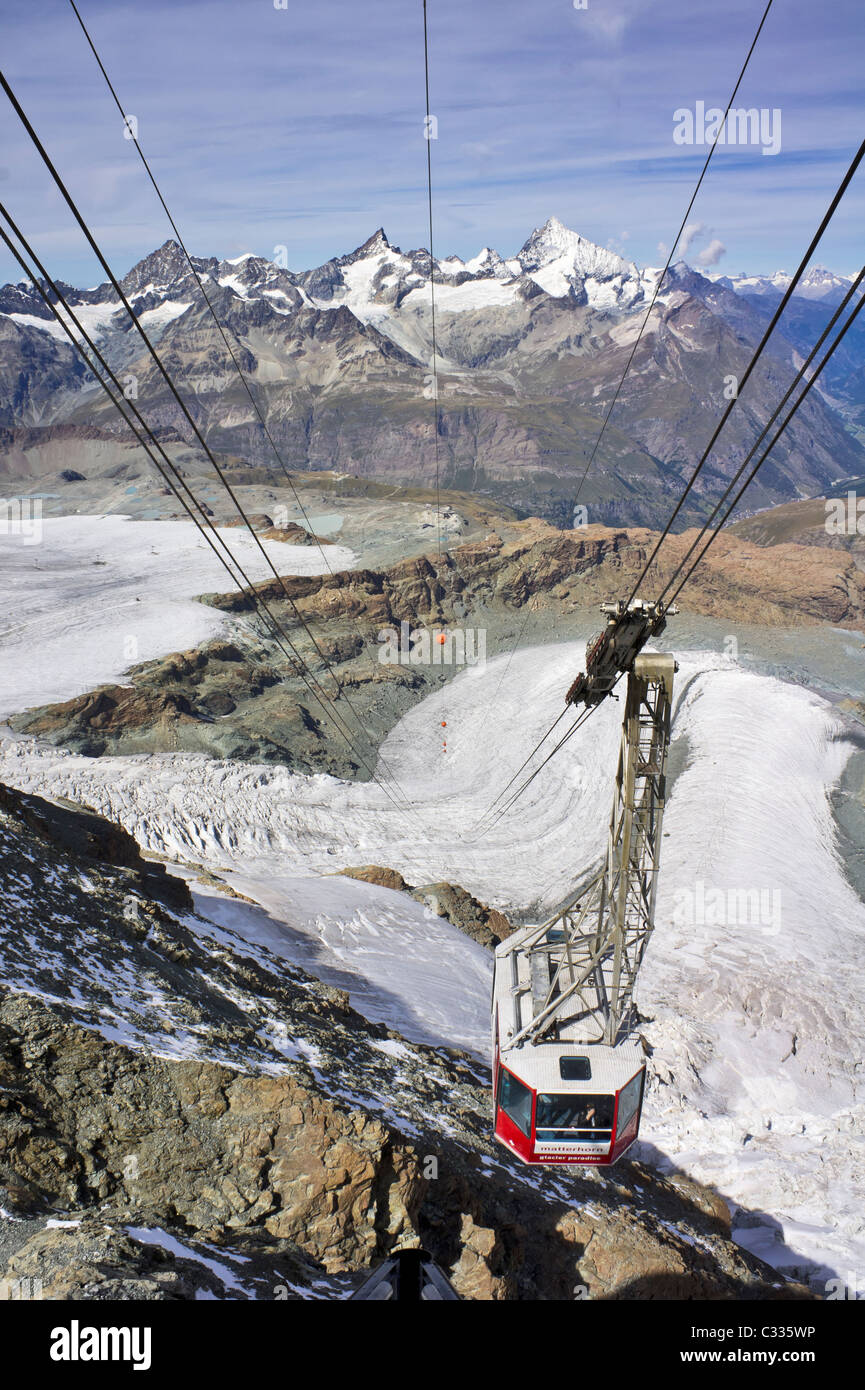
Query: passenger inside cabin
{"points": [[588, 1118]]}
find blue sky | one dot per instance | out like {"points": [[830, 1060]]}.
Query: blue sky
{"points": [[303, 127]]}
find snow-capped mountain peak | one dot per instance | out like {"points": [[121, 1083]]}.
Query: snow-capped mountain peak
{"points": [[556, 243], [375, 245], [161, 269], [817, 283], [561, 262], [387, 289]]}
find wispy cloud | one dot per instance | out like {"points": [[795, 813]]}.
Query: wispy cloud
{"points": [[689, 236], [712, 254]]}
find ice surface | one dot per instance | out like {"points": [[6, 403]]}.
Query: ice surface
{"points": [[100, 593], [456, 299], [94, 318], [397, 959]]}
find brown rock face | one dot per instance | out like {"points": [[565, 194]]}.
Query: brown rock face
{"points": [[564, 570], [94, 1261], [85, 835], [484, 924], [384, 878], [215, 1148], [223, 1155], [216, 699]]}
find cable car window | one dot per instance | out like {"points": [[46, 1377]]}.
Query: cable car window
{"points": [[630, 1097], [575, 1069], [579, 1118], [516, 1101]]}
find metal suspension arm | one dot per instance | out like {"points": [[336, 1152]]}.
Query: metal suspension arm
{"points": [[589, 954]]}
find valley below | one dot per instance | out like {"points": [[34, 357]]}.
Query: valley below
{"points": [[247, 1064]]}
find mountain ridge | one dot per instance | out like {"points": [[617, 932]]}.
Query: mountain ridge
{"points": [[530, 352]]}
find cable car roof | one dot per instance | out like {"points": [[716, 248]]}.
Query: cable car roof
{"points": [[538, 1067]]}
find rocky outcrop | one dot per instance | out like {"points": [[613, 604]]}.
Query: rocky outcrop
{"points": [[222, 699], [91, 1260], [483, 924], [833, 523], [565, 572], [290, 533], [83, 835], [383, 878], [242, 698]]}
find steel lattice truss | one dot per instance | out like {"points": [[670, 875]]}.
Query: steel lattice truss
{"points": [[584, 961]]}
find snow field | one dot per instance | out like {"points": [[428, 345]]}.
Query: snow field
{"points": [[98, 594]]}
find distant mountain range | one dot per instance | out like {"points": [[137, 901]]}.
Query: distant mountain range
{"points": [[817, 283], [530, 351]]}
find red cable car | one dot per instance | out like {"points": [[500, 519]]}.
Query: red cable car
{"points": [[568, 1070], [561, 1102]]}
